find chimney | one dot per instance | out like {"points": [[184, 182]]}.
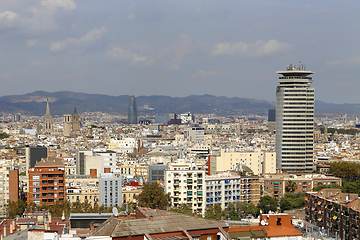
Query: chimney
{"points": [[195, 215], [5, 229], [49, 214], [157, 208], [151, 217], [11, 228], [92, 228], [93, 173]]}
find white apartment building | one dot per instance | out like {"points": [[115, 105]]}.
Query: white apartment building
{"points": [[228, 187], [91, 159], [124, 146], [185, 183], [194, 133], [186, 118], [4, 191], [110, 190], [295, 120]]}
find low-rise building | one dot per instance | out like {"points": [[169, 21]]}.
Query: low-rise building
{"points": [[231, 187], [334, 211], [274, 184]]}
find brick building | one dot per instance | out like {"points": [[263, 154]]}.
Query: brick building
{"points": [[274, 184], [334, 211], [47, 182]]}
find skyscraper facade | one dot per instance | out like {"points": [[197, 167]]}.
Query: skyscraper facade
{"points": [[132, 111], [295, 120]]}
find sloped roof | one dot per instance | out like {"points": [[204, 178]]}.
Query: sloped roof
{"points": [[163, 222]]}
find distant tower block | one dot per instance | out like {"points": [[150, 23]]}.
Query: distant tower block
{"points": [[48, 121], [75, 121], [67, 124], [132, 111]]}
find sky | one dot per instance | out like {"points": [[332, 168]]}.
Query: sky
{"points": [[179, 47]]}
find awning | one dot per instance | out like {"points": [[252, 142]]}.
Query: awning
{"points": [[313, 208], [306, 198], [335, 217], [319, 219], [319, 211], [319, 202]]}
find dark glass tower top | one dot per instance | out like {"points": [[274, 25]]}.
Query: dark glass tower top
{"points": [[132, 111]]}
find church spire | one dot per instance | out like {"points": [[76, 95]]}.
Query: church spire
{"points": [[47, 108]]}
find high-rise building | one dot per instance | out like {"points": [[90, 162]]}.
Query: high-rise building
{"points": [[295, 120], [16, 117], [272, 115], [132, 111], [34, 154]]}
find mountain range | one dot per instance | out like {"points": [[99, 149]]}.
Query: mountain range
{"points": [[64, 102]]}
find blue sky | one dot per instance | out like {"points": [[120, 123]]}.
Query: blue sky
{"points": [[178, 48]]}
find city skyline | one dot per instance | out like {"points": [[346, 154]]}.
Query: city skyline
{"points": [[177, 48]]}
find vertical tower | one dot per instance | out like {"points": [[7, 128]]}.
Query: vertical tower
{"points": [[294, 120], [67, 124], [48, 121], [132, 111], [75, 121]]}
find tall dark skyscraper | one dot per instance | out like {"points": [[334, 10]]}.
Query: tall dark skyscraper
{"points": [[132, 111], [272, 115]]}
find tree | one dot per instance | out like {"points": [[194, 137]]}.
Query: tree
{"points": [[152, 196], [346, 170], [291, 186], [16, 208], [238, 210], [318, 188], [182, 208], [292, 201], [267, 203], [3, 135], [214, 212], [285, 204]]}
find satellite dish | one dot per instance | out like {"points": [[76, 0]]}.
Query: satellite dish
{"points": [[262, 222], [115, 211]]}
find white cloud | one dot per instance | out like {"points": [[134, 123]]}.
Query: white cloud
{"points": [[39, 63], [250, 49], [8, 15], [31, 42], [174, 67], [53, 4], [41, 17], [202, 73], [89, 37], [8, 18], [350, 60], [142, 60], [137, 60]]}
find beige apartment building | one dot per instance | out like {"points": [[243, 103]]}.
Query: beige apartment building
{"points": [[231, 159]]}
